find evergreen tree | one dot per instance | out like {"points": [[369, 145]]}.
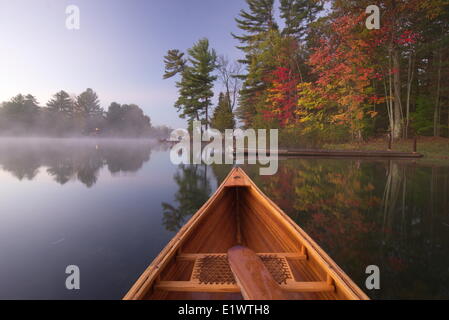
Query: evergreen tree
{"points": [[257, 24], [223, 118], [174, 63], [31, 102], [88, 104], [297, 15], [187, 104], [89, 114], [61, 102], [197, 79], [20, 113], [203, 64]]}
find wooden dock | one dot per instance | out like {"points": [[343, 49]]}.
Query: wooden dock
{"points": [[339, 153], [379, 154]]}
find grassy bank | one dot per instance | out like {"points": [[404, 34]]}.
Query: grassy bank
{"points": [[435, 149]]}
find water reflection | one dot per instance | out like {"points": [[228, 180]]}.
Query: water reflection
{"points": [[68, 160], [194, 189], [391, 214]]}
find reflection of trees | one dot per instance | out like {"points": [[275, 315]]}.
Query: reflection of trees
{"points": [[391, 214], [62, 171], [414, 230], [22, 167], [72, 160], [193, 191], [221, 171], [395, 181], [131, 159]]}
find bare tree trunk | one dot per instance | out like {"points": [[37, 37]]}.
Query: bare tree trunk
{"points": [[410, 74], [207, 116], [388, 103], [436, 115], [397, 94]]}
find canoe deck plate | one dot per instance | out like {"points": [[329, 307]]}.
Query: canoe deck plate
{"points": [[215, 269]]}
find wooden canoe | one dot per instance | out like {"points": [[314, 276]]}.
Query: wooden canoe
{"points": [[240, 245]]}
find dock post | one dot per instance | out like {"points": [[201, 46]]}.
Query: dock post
{"points": [[390, 141], [415, 144]]}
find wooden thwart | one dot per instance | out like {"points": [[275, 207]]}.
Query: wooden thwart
{"points": [[195, 286], [286, 255]]}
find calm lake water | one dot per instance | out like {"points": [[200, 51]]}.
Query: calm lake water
{"points": [[109, 207]]}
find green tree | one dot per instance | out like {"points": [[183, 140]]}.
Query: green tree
{"points": [[61, 102], [422, 118], [174, 63], [89, 113], [20, 114], [127, 120], [89, 104], [197, 79], [297, 15], [203, 64], [257, 23], [223, 117]]}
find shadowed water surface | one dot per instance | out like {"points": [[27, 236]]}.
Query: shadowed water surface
{"points": [[109, 207]]}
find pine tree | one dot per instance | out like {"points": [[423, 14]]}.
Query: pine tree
{"points": [[20, 112], [88, 104], [258, 24], [174, 63], [89, 114], [61, 102], [187, 103], [223, 118], [203, 63], [297, 14], [197, 79], [255, 23]]}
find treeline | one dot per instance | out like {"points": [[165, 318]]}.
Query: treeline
{"points": [[323, 76], [81, 115]]}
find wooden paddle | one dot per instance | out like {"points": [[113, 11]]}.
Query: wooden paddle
{"points": [[253, 278]]}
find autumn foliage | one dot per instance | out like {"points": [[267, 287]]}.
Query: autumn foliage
{"points": [[283, 96], [330, 73]]}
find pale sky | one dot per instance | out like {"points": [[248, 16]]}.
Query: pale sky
{"points": [[118, 51]]}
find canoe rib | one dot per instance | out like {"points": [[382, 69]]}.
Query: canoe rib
{"points": [[305, 254]]}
